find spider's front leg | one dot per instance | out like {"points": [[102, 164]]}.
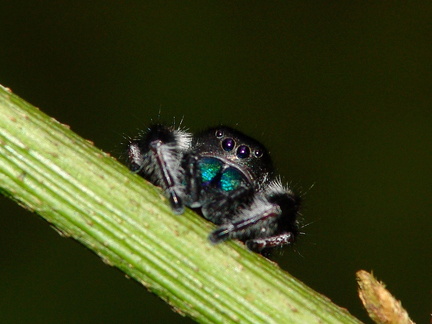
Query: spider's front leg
{"points": [[192, 176], [269, 221], [156, 155]]}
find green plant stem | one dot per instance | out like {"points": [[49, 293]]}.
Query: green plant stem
{"points": [[89, 196]]}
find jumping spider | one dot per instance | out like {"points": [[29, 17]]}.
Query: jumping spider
{"points": [[225, 175]]}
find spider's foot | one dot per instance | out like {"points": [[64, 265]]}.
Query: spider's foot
{"points": [[221, 234], [260, 244]]}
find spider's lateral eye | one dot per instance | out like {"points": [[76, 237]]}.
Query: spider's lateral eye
{"points": [[258, 153], [228, 144], [219, 133], [243, 151]]}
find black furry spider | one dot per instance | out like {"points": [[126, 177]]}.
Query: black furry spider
{"points": [[224, 173]]}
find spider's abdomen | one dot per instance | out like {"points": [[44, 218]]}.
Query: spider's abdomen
{"points": [[217, 174]]}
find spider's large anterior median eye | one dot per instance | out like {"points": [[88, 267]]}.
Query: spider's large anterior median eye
{"points": [[243, 151], [228, 144]]}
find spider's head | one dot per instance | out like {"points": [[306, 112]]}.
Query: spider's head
{"points": [[236, 150]]}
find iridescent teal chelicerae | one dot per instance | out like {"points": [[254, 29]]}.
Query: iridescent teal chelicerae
{"points": [[214, 172]]}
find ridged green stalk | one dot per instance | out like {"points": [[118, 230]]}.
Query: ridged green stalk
{"points": [[89, 196]]}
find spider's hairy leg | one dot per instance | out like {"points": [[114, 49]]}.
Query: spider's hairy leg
{"points": [[269, 221], [156, 155], [192, 179]]}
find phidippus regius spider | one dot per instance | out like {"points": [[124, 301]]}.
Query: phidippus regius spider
{"points": [[224, 174]]}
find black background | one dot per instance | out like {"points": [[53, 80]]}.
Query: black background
{"points": [[340, 94]]}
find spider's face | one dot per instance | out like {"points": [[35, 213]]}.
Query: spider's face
{"points": [[239, 157]]}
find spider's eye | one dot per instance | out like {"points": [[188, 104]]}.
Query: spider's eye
{"points": [[243, 151], [228, 144], [258, 153], [219, 133]]}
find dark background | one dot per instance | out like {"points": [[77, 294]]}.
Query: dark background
{"points": [[340, 94]]}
